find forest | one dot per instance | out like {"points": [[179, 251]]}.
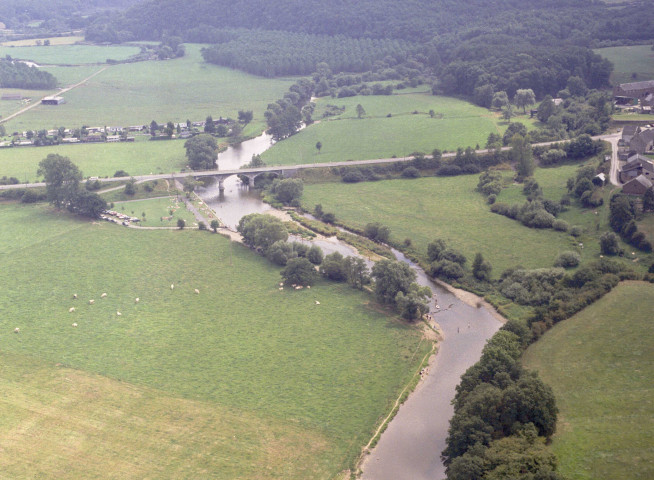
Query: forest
{"points": [[19, 75]]}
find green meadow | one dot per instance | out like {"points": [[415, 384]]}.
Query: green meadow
{"points": [[409, 128], [171, 90], [600, 364], [53, 41], [239, 381], [100, 160], [630, 60], [156, 212], [69, 54], [442, 207]]}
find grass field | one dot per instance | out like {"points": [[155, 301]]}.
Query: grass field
{"points": [[172, 90], [32, 41], [157, 211], [447, 208], [600, 364], [345, 137], [69, 54], [101, 160], [638, 59], [245, 375]]}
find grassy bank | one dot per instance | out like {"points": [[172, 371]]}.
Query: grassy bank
{"points": [[630, 60], [600, 364], [320, 376]]}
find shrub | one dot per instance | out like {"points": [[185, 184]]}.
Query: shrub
{"points": [[353, 176], [202, 226], [560, 225], [609, 244], [181, 223], [31, 196], [411, 172], [492, 198], [315, 255], [299, 271], [449, 170], [576, 231], [377, 232], [568, 260]]}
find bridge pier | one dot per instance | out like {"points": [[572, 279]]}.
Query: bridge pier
{"points": [[221, 184]]}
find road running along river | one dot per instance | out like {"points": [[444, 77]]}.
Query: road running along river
{"points": [[411, 445]]}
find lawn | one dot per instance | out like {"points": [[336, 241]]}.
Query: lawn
{"points": [[100, 160], [69, 54], [159, 212], [456, 123], [638, 59], [297, 387], [600, 364], [171, 90]]}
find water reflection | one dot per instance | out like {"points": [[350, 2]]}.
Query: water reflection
{"points": [[237, 199]]}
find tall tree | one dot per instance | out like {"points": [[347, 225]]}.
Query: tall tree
{"points": [[62, 179], [360, 111], [522, 155], [201, 151], [523, 98]]}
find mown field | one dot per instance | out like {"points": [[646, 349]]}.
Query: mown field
{"points": [[638, 59], [456, 123], [69, 54], [240, 381], [101, 160], [172, 90], [600, 364], [157, 212]]}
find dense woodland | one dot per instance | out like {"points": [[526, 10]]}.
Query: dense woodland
{"points": [[19, 75]]}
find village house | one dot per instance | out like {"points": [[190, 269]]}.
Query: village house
{"points": [[637, 165], [52, 100], [637, 186], [632, 93], [635, 140]]}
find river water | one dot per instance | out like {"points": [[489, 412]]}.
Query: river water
{"points": [[411, 445]]}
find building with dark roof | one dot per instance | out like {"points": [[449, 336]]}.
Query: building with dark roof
{"points": [[634, 91], [637, 186]]}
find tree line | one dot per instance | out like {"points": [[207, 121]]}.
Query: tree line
{"points": [[14, 74]]}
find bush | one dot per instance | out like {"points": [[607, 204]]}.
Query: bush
{"points": [[411, 172], [202, 226], [181, 223], [299, 271], [377, 232], [609, 244], [31, 196], [568, 260], [449, 170], [353, 176], [560, 225], [576, 231], [315, 255], [492, 198]]}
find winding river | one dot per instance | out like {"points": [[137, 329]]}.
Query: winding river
{"points": [[411, 445]]}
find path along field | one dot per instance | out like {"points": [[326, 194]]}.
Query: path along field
{"points": [[600, 364], [456, 123], [638, 59], [171, 90], [240, 381]]}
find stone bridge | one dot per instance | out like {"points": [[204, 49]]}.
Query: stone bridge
{"points": [[249, 173]]}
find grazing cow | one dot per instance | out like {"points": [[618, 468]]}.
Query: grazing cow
{"points": [[74, 296], [91, 302], [197, 291], [172, 286], [137, 300], [16, 330], [317, 302], [74, 324], [103, 295], [71, 309], [118, 314], [281, 288]]}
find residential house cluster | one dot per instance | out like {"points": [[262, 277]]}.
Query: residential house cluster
{"points": [[639, 95], [637, 173]]}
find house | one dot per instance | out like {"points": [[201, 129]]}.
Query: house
{"points": [[637, 186], [636, 165], [642, 142], [52, 100], [95, 137], [113, 138], [628, 132], [70, 140], [136, 128]]}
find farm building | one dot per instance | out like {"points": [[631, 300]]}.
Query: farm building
{"points": [[637, 186], [635, 141], [11, 96], [633, 92], [637, 165], [52, 100]]}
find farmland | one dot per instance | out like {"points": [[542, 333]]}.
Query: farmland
{"points": [[240, 376], [130, 94], [69, 54], [389, 128], [635, 59], [102, 160], [600, 364]]}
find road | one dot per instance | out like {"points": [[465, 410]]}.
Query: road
{"points": [[613, 139], [60, 92]]}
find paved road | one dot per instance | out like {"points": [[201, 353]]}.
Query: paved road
{"points": [[290, 168]]}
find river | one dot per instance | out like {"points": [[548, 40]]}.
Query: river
{"points": [[411, 445]]}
